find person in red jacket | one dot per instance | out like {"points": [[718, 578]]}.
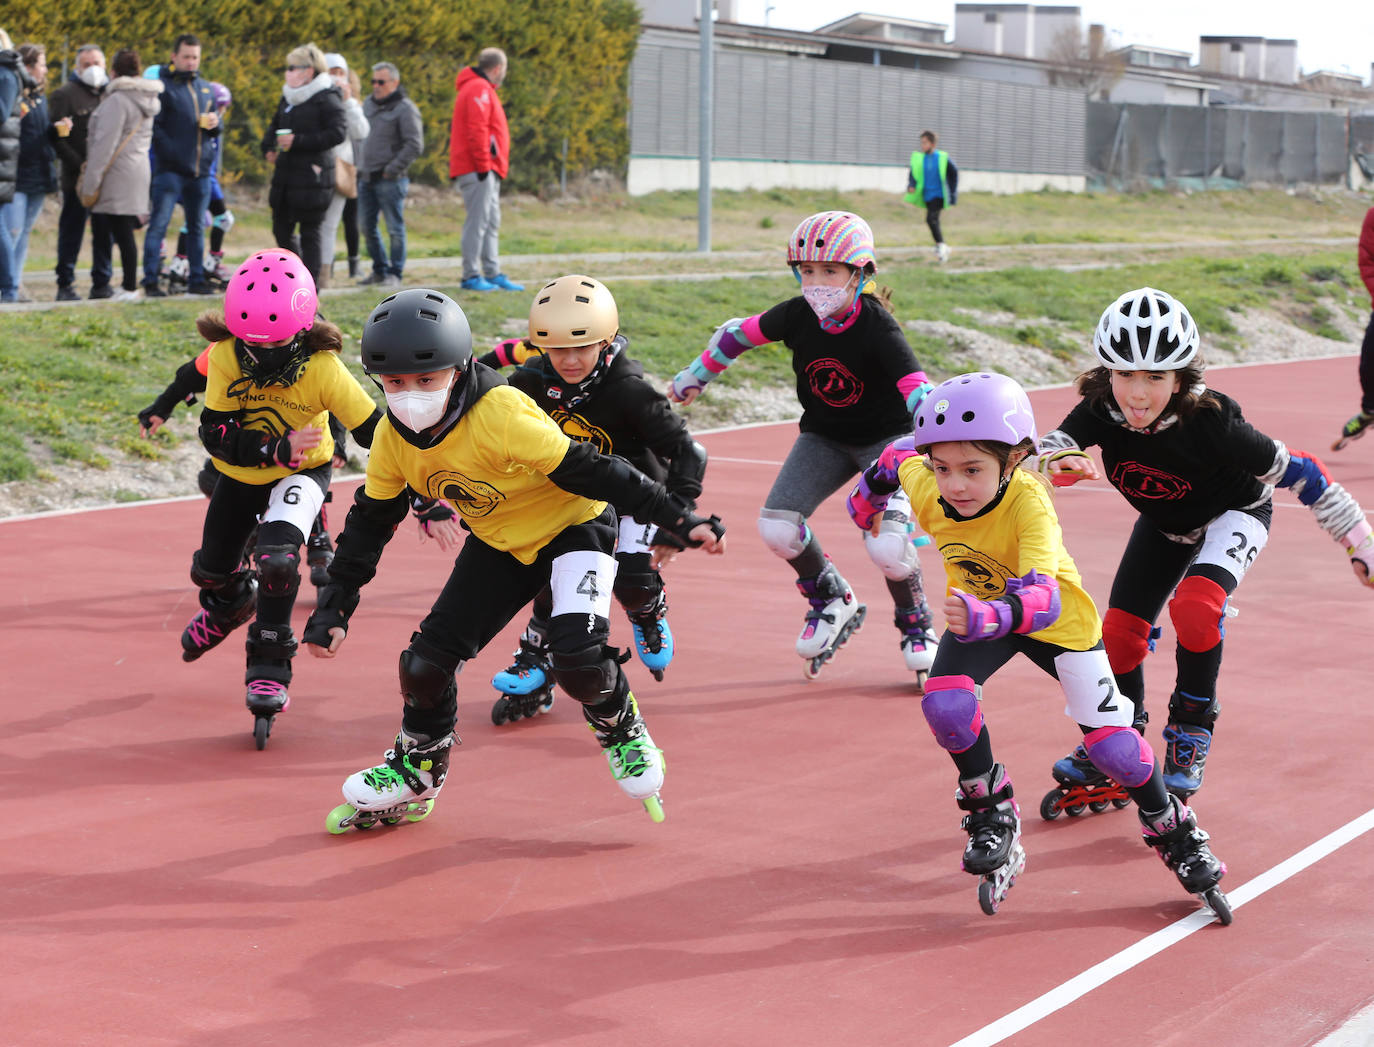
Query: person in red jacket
{"points": [[1362, 421], [478, 159]]}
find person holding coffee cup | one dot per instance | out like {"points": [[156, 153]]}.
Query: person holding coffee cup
{"points": [[70, 108], [298, 143]]}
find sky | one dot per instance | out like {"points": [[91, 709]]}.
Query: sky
{"points": [[1331, 34]]}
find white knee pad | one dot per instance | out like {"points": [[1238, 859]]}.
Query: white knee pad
{"points": [[893, 552], [892, 548], [784, 532]]}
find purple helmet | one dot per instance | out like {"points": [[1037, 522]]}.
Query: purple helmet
{"points": [[220, 94], [977, 406]]}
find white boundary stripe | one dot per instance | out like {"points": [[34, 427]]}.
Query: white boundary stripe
{"points": [[1099, 974]]}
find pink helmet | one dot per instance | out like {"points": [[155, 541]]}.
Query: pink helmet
{"points": [[833, 236], [271, 297]]}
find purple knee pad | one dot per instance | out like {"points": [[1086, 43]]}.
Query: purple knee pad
{"points": [[952, 711], [1121, 753]]}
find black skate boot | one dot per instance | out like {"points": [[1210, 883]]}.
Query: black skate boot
{"points": [[270, 650], [1353, 429], [1174, 833], [1082, 786], [401, 788], [993, 824], [319, 554], [653, 638], [221, 612], [1188, 739], [526, 686]]}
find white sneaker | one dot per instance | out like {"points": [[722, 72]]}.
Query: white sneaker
{"points": [[942, 252], [390, 280], [127, 296]]}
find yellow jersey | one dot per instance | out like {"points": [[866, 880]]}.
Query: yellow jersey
{"points": [[1020, 534], [323, 385], [492, 467]]}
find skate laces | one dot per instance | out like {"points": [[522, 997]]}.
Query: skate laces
{"points": [[203, 631], [383, 779], [1357, 425], [1186, 747], [630, 759], [265, 689]]}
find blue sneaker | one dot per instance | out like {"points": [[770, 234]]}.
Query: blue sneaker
{"points": [[505, 283], [477, 283]]}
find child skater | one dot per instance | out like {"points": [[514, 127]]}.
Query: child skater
{"points": [[1013, 588], [575, 366], [190, 379], [1201, 478], [274, 375], [535, 504], [858, 382]]}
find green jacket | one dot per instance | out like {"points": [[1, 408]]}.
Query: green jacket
{"points": [[915, 183]]}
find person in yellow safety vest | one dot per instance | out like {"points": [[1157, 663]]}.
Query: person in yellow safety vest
{"points": [[934, 181]]}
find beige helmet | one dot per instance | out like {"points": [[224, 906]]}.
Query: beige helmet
{"points": [[573, 310]]}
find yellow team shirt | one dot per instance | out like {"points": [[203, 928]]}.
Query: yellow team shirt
{"points": [[492, 467], [981, 555], [323, 385]]}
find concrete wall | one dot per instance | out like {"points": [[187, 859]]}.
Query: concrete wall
{"points": [[650, 174]]}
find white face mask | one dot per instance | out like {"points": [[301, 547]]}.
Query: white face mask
{"points": [[93, 76], [418, 410], [827, 301]]}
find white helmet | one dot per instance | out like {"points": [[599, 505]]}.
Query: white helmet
{"points": [[1146, 330]]}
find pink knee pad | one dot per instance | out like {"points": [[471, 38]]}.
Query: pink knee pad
{"points": [[952, 711], [1121, 753]]}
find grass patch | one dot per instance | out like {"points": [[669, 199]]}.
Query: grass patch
{"points": [[76, 378]]}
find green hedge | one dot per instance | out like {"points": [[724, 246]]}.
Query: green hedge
{"points": [[568, 79]]}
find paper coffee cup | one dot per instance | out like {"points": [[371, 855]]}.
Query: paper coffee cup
{"points": [[64, 128], [205, 120]]}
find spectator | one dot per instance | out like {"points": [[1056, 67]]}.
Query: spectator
{"points": [[36, 175], [394, 139], [72, 105], [120, 131], [187, 117], [1364, 256], [345, 205], [299, 143], [933, 181], [13, 80], [478, 159]]}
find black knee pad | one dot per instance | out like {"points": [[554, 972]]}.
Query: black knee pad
{"points": [[426, 685], [279, 568], [637, 591], [590, 675], [228, 587]]}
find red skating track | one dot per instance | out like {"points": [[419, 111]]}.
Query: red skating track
{"points": [[165, 883]]}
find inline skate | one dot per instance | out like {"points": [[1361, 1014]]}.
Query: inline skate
{"points": [[270, 650], [526, 686], [918, 640], [653, 637], [1353, 429], [835, 616], [636, 763], [219, 614], [1174, 834], [993, 824], [1081, 787], [401, 788]]}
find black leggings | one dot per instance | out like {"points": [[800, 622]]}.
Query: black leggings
{"points": [[1367, 369], [933, 209], [118, 229], [350, 226]]}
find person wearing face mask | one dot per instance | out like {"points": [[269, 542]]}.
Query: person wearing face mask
{"points": [[342, 203], [36, 176], [859, 383], [72, 105], [273, 379], [535, 505]]}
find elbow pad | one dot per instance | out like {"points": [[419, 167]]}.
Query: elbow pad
{"points": [[686, 469]]}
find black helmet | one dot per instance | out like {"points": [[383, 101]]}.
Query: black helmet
{"points": [[414, 331]]}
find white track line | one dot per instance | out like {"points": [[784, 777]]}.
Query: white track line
{"points": [[1099, 974]]}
